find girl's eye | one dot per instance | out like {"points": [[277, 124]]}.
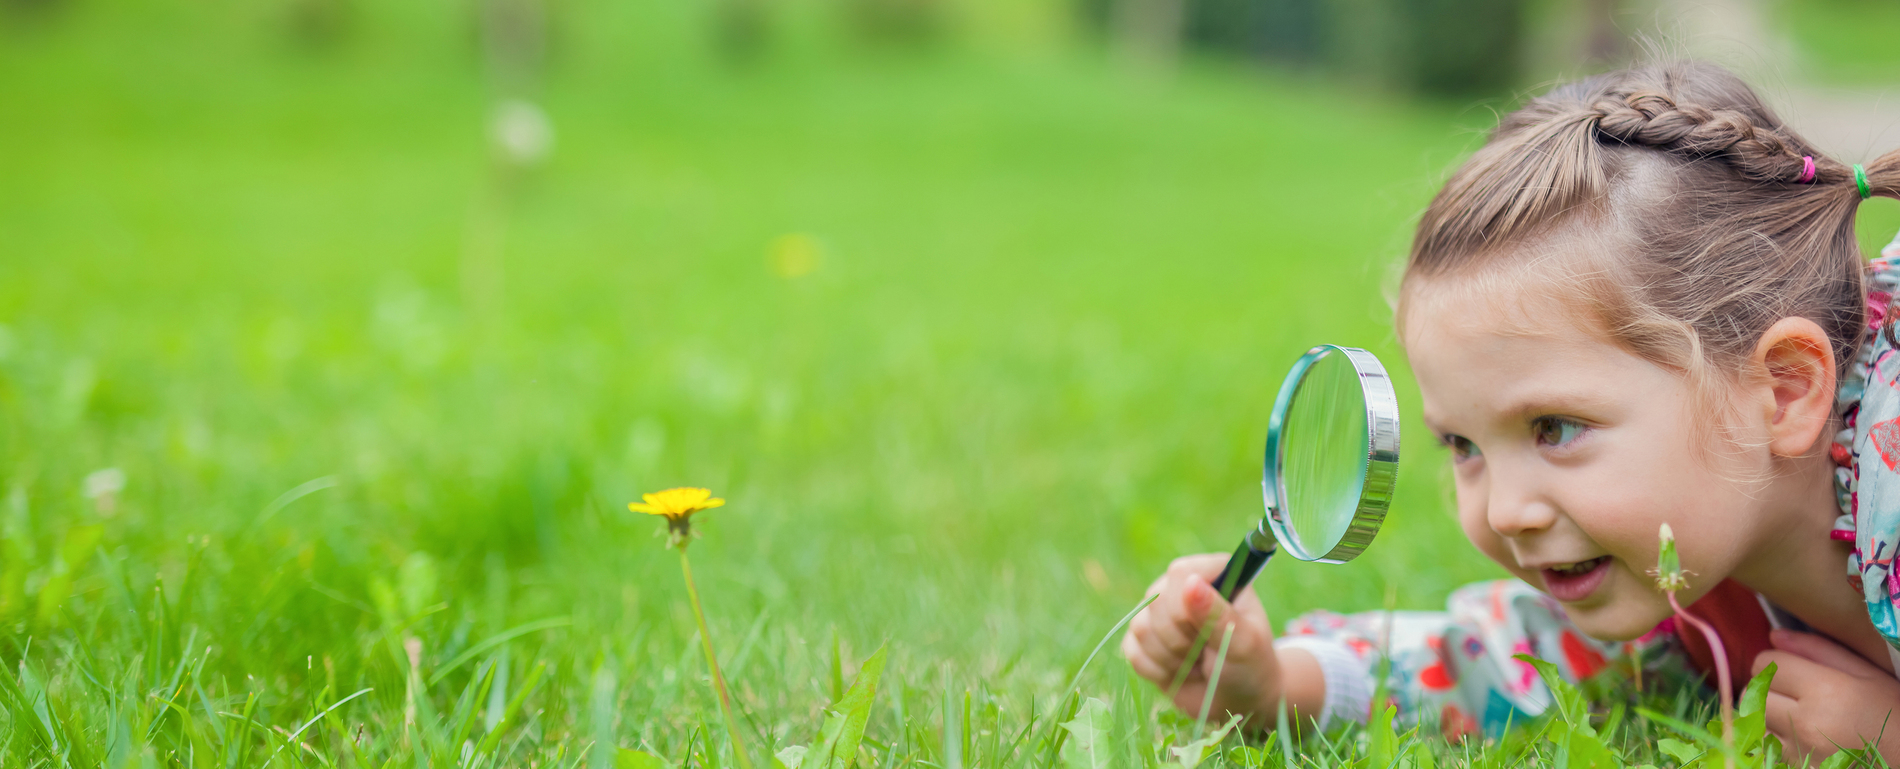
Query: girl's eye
{"points": [[1461, 448], [1556, 431]]}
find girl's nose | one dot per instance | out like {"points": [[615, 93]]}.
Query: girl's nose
{"points": [[1515, 509], [1518, 520]]}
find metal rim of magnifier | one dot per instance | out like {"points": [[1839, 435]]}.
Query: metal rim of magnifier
{"points": [[1381, 456]]}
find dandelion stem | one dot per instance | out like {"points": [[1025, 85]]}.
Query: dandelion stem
{"points": [[1723, 684], [712, 663]]}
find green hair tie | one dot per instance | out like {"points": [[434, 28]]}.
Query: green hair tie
{"points": [[1860, 181]]}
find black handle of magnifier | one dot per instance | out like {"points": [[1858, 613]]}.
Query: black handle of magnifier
{"points": [[1245, 563]]}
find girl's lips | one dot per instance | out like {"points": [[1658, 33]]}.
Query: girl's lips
{"points": [[1573, 586]]}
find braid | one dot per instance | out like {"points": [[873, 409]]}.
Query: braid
{"points": [[1652, 119]]}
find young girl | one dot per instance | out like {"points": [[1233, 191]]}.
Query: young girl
{"points": [[1640, 303]]}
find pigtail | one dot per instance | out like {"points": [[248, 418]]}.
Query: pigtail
{"points": [[1883, 177], [1538, 166], [1883, 180]]}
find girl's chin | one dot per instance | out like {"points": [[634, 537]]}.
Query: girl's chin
{"points": [[1619, 617]]}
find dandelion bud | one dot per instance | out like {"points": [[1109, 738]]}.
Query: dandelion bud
{"points": [[1668, 564]]}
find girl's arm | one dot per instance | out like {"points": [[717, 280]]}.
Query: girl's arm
{"points": [[1452, 668], [1457, 669]]}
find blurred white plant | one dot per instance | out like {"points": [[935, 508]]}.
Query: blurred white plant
{"points": [[522, 132], [103, 487]]}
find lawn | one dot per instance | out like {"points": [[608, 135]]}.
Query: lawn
{"points": [[974, 341]]}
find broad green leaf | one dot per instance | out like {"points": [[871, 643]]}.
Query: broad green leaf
{"points": [[1842, 759], [1088, 743], [1684, 753], [827, 742], [1191, 754], [1682, 727], [634, 759], [844, 727], [1751, 715], [1584, 750], [1571, 705], [791, 757], [1382, 744], [1241, 755]]}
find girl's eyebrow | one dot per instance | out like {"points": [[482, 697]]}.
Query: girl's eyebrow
{"points": [[1533, 406], [1546, 403]]}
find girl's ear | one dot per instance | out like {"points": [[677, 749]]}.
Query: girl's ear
{"points": [[1795, 360]]}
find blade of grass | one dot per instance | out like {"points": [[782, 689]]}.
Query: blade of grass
{"points": [[494, 641], [514, 706]]}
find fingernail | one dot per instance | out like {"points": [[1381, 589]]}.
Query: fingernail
{"points": [[1196, 591]]}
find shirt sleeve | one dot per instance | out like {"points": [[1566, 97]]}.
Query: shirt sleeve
{"points": [[1455, 668]]}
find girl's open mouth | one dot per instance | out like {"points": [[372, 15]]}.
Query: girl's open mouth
{"points": [[1575, 582]]}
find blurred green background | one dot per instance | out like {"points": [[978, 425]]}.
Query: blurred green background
{"points": [[330, 323]]}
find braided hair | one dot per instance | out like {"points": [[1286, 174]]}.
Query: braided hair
{"points": [[1716, 229]]}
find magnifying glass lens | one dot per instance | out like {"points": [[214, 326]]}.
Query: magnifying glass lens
{"points": [[1323, 459], [1332, 458]]}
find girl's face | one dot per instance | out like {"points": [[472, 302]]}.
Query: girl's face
{"points": [[1569, 452]]}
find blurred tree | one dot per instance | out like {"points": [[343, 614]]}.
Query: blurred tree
{"points": [[741, 30], [1461, 47], [1440, 47], [1290, 31], [896, 21], [514, 42], [15, 9], [318, 22], [1148, 32]]}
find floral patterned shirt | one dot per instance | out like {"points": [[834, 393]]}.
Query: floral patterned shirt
{"points": [[1456, 668]]}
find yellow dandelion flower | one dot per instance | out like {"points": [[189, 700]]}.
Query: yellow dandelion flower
{"points": [[678, 506]]}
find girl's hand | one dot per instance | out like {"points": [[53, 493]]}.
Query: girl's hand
{"points": [[1252, 679], [1825, 697]]}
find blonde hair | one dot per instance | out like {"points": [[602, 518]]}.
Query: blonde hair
{"points": [[1697, 187]]}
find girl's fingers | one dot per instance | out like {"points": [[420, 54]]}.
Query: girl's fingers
{"points": [[1147, 667], [1156, 649], [1179, 622], [1795, 676], [1160, 636], [1825, 652], [1780, 714], [1165, 629]]}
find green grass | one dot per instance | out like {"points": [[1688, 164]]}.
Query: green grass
{"points": [[1034, 364]]}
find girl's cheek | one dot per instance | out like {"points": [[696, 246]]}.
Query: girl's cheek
{"points": [[1477, 525]]}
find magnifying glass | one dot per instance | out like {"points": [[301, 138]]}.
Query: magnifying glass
{"points": [[1332, 461]]}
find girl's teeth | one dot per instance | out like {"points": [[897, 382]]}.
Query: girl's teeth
{"points": [[1579, 567]]}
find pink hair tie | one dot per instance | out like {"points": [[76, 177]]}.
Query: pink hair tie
{"points": [[1807, 170]]}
